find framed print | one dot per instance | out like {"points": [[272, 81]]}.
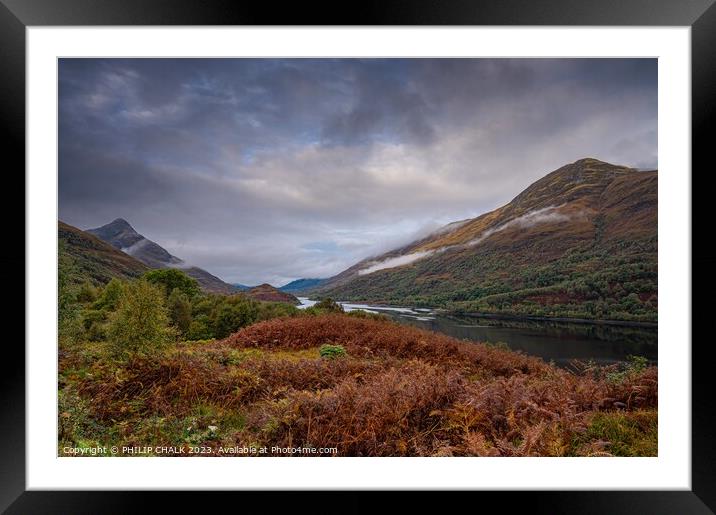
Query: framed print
{"points": [[421, 249]]}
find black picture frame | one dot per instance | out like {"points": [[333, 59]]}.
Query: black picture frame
{"points": [[700, 15]]}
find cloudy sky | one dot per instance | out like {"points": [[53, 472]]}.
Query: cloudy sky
{"points": [[267, 170]]}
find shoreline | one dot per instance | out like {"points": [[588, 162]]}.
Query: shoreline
{"points": [[504, 316], [586, 321]]}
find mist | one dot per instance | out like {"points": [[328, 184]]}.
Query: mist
{"points": [[544, 215], [538, 216]]}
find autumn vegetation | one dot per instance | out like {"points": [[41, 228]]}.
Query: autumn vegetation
{"points": [[599, 262], [153, 361]]}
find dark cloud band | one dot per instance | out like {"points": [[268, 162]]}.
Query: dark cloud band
{"points": [[251, 168]]}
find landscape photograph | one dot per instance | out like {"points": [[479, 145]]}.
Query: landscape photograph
{"points": [[357, 257]]}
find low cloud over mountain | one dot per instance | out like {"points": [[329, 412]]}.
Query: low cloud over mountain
{"points": [[265, 170]]}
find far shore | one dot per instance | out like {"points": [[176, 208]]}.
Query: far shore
{"points": [[624, 323], [504, 316]]}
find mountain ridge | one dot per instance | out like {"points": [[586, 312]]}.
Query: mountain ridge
{"points": [[85, 256], [120, 234], [303, 284], [585, 221]]}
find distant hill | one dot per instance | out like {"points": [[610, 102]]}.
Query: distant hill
{"points": [[86, 257], [580, 242], [208, 282], [266, 292], [120, 234], [300, 285], [241, 287]]}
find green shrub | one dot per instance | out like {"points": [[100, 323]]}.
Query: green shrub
{"points": [[96, 332], [171, 278], [222, 315], [633, 365], [94, 324], [109, 298], [637, 363], [199, 329], [328, 306], [331, 351], [179, 307], [87, 292], [90, 316], [269, 310], [141, 323], [232, 314], [360, 313]]}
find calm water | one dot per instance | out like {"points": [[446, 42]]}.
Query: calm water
{"points": [[561, 342]]}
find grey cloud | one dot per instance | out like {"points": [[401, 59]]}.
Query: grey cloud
{"points": [[237, 164]]}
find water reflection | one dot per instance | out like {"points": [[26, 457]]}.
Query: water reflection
{"points": [[561, 342]]}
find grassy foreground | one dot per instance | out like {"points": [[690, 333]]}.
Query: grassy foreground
{"points": [[359, 386]]}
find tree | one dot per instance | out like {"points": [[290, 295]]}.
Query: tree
{"points": [[199, 329], [179, 307], [232, 314], [110, 296], [171, 278], [140, 325], [329, 305]]}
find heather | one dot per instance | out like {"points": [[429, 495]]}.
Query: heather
{"points": [[362, 385]]}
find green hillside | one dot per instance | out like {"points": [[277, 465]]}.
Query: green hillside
{"points": [[581, 242], [84, 257]]}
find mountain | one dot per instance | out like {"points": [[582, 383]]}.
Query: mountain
{"points": [[268, 293], [85, 256], [121, 235], [208, 282], [300, 285], [580, 242], [241, 287]]}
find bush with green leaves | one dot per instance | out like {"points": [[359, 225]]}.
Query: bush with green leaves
{"points": [[218, 316], [324, 306], [232, 314], [332, 351], [96, 332], [200, 329], [94, 323], [269, 310], [110, 295], [140, 325], [328, 305], [179, 306], [90, 316], [634, 365], [361, 313], [171, 279], [87, 292]]}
